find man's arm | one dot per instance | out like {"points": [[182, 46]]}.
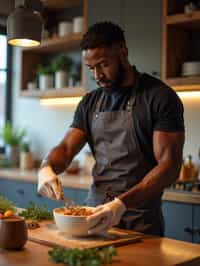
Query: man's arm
{"points": [[168, 149], [61, 155]]}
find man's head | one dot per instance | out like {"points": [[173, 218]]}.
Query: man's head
{"points": [[105, 53]]}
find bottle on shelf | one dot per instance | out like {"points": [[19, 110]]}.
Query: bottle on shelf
{"points": [[191, 172], [182, 173]]}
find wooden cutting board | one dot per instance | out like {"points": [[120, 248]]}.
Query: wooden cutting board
{"points": [[48, 234]]}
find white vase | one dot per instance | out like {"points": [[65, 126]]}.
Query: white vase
{"points": [[45, 82], [64, 28], [78, 24], [60, 79], [12, 154]]}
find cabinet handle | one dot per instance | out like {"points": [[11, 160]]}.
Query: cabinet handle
{"points": [[20, 191], [196, 230], [192, 230]]}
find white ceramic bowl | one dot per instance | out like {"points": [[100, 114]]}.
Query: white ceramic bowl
{"points": [[70, 224], [191, 68]]}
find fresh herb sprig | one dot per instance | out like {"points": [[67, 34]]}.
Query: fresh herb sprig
{"points": [[35, 212], [85, 257], [6, 205]]}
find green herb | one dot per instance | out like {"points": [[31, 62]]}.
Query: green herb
{"points": [[85, 257], [6, 205], [35, 212]]}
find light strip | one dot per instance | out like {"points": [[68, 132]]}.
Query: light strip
{"points": [[189, 94], [60, 101]]}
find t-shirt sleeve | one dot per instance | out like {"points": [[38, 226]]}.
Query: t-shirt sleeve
{"points": [[168, 111], [80, 116]]}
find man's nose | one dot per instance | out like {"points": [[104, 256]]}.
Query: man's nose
{"points": [[98, 74]]}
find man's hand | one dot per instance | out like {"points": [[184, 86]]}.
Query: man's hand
{"points": [[49, 184], [105, 216]]}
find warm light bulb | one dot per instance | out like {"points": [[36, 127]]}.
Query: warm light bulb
{"points": [[60, 101], [23, 42]]}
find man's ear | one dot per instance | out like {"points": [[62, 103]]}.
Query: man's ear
{"points": [[123, 51]]}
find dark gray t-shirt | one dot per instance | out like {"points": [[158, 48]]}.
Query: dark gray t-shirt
{"points": [[157, 108]]}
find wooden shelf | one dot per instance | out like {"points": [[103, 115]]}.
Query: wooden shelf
{"points": [[52, 4], [54, 93], [43, 54], [58, 44], [184, 83], [191, 20], [180, 33]]}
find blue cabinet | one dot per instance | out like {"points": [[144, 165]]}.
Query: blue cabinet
{"points": [[22, 192], [196, 226], [178, 220]]}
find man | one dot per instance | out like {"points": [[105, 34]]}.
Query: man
{"points": [[134, 125]]}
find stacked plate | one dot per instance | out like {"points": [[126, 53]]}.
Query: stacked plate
{"points": [[191, 68]]}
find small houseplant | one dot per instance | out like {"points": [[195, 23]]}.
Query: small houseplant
{"points": [[61, 66], [12, 139], [26, 158], [45, 74]]}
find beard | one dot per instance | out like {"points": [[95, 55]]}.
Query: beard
{"points": [[113, 85]]}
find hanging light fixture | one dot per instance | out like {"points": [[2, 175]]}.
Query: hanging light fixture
{"points": [[24, 25]]}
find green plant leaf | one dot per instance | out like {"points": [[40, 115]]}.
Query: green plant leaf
{"points": [[62, 62], [12, 136]]}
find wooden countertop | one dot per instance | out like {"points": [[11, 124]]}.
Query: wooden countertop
{"points": [[84, 181], [151, 251], [81, 181]]}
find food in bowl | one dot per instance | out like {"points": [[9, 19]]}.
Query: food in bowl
{"points": [[75, 211], [73, 220]]}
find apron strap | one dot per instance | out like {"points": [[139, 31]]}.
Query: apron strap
{"points": [[132, 101]]}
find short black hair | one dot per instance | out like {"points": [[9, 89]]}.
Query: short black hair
{"points": [[102, 34]]}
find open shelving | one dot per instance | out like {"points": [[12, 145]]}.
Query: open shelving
{"points": [[32, 57], [180, 43]]}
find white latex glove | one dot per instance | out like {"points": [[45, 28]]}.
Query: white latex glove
{"points": [[48, 184], [105, 216]]}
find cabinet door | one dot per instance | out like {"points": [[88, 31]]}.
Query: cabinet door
{"points": [[21, 193], [178, 220], [196, 225], [142, 24], [78, 195]]}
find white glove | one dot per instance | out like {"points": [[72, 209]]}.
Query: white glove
{"points": [[105, 216], [48, 184]]}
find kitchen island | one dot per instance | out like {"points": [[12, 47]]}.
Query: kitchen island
{"points": [[153, 251]]}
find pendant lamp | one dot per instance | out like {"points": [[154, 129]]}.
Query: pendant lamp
{"points": [[24, 25]]}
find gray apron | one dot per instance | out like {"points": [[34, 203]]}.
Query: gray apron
{"points": [[120, 165]]}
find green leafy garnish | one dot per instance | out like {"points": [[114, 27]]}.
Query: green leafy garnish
{"points": [[6, 205], [85, 257], [35, 212]]}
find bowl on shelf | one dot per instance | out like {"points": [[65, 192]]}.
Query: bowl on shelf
{"points": [[73, 220], [191, 68]]}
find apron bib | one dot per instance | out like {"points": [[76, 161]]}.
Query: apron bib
{"points": [[120, 165]]}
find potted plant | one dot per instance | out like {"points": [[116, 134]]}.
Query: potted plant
{"points": [[12, 139], [45, 74], [26, 158], [61, 65]]}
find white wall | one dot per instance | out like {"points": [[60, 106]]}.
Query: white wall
{"points": [[192, 126]]}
